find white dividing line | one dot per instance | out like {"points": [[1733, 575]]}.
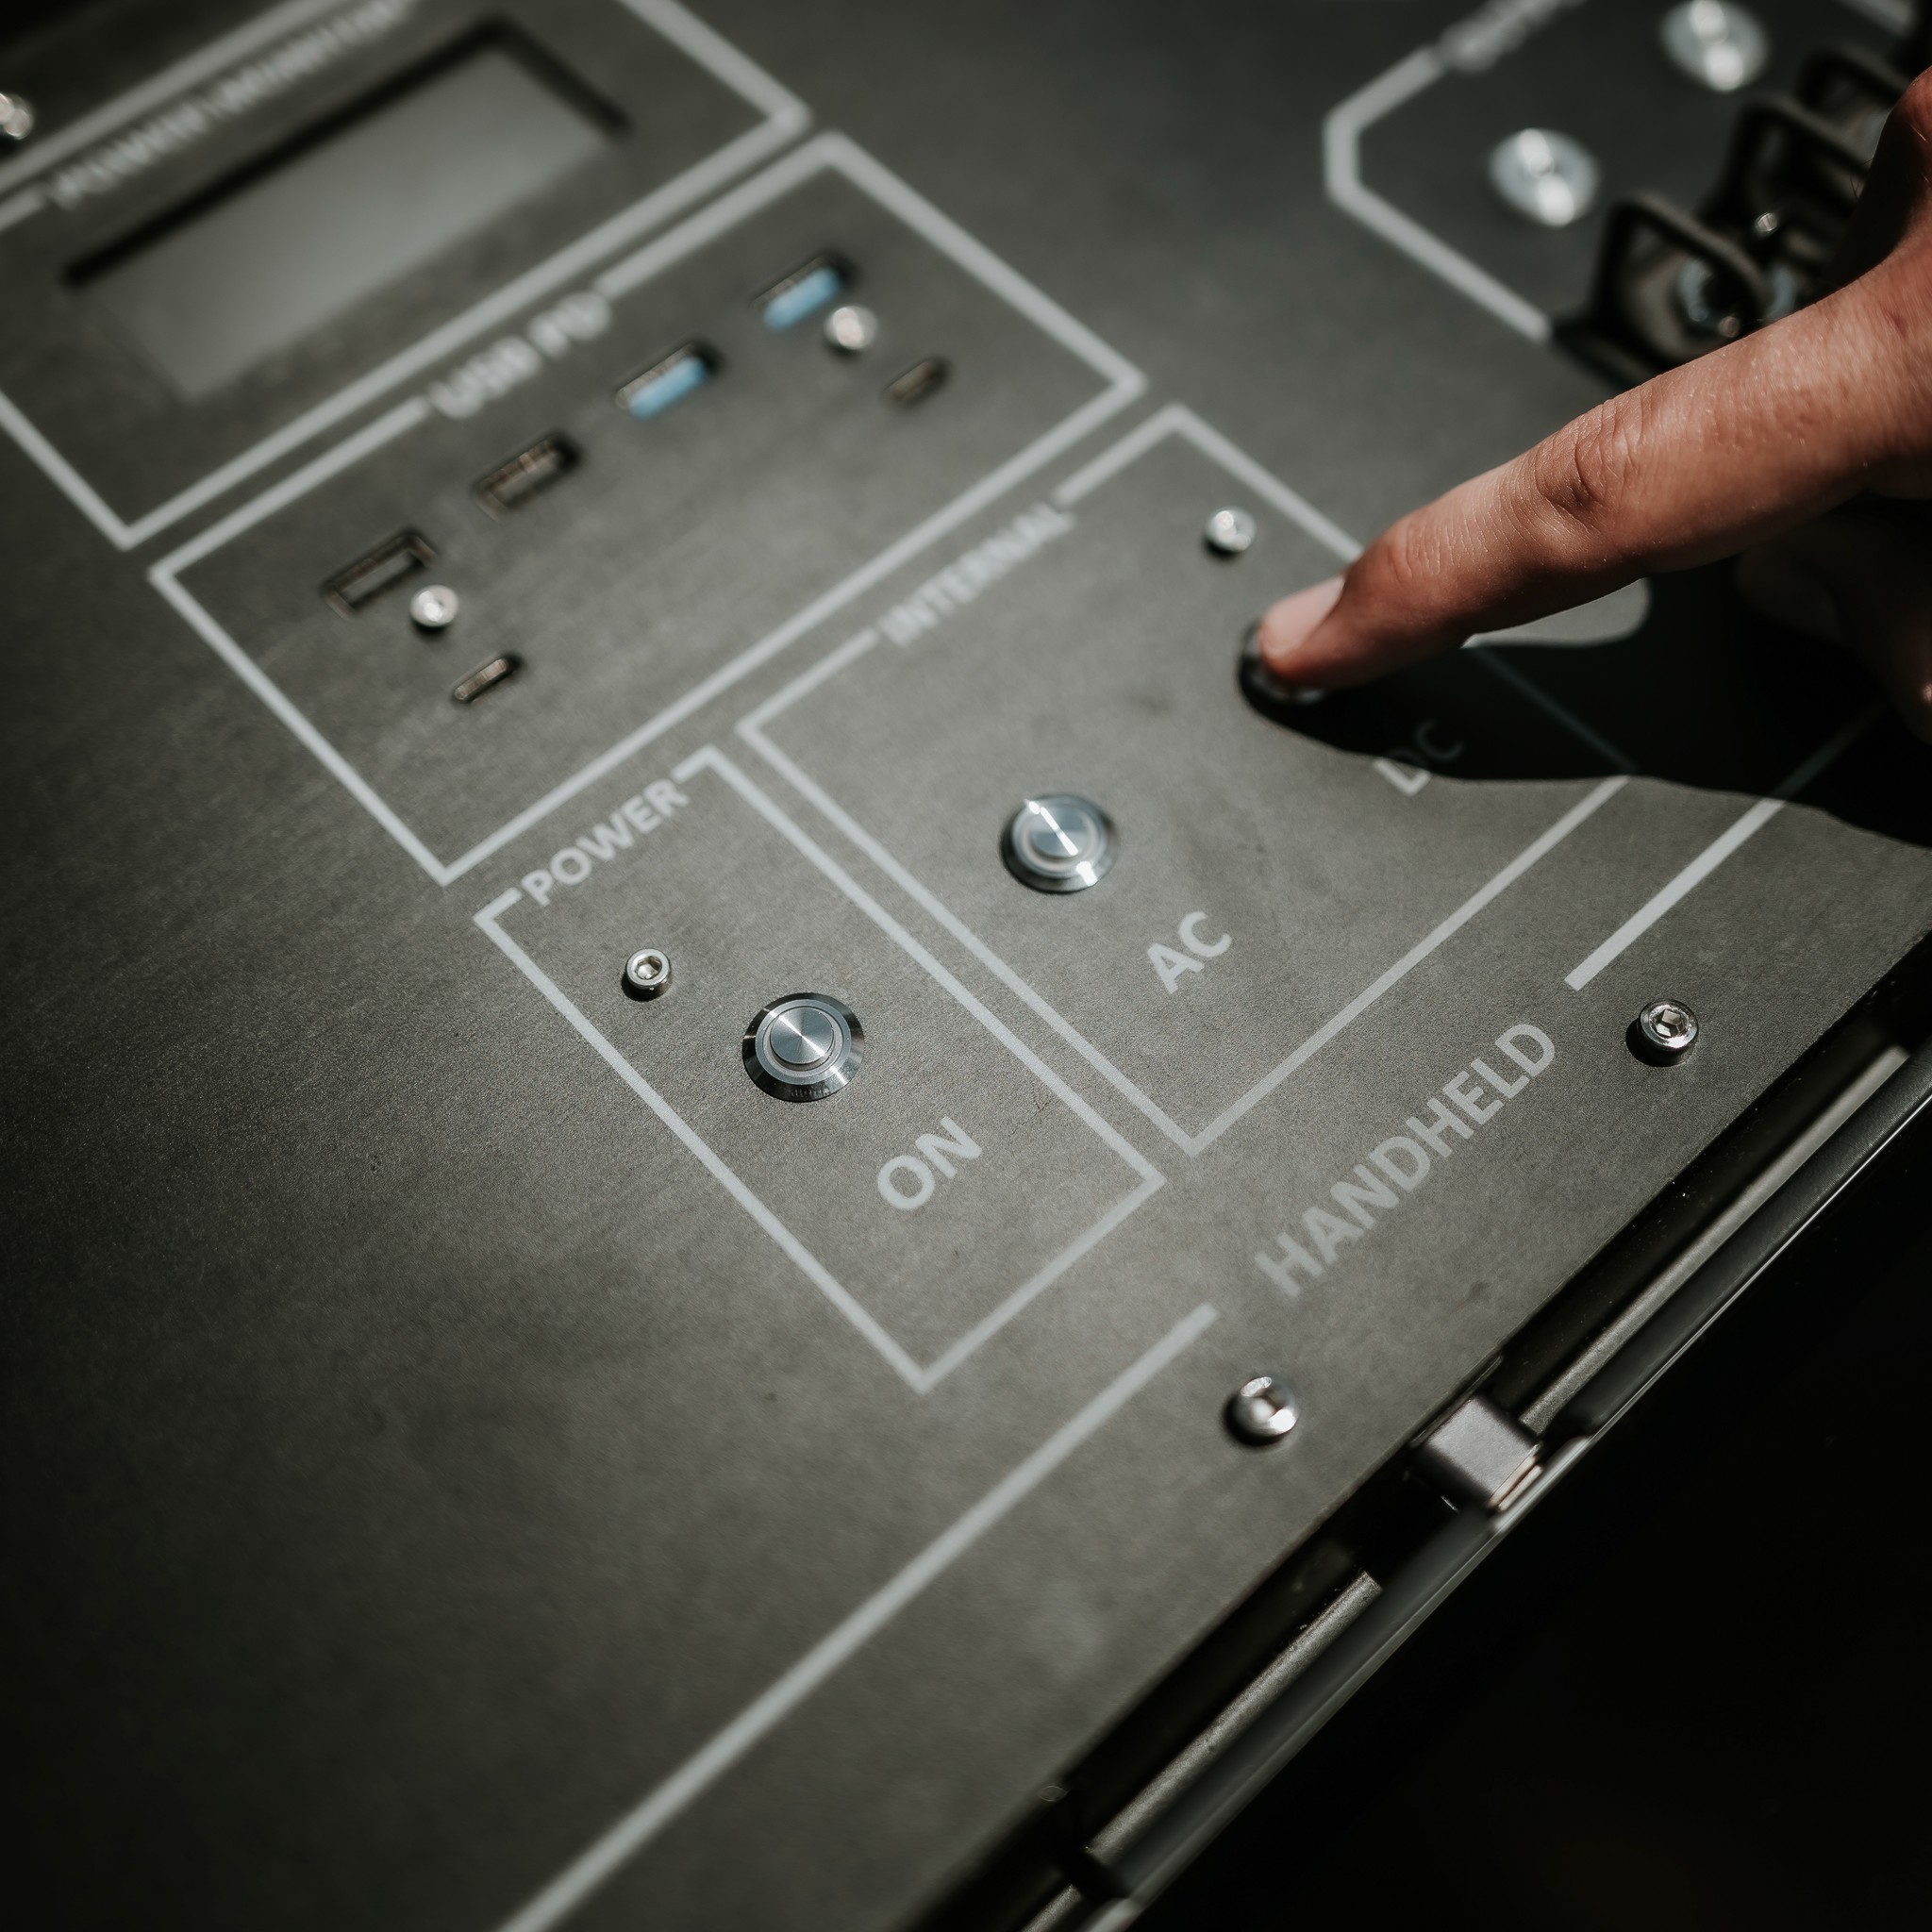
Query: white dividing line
{"points": [[786, 117], [1174, 419], [1501, 668], [801, 1257], [1342, 135], [162, 577], [373, 436], [827, 153], [1034, 457], [1714, 855], [715, 54], [922, 1380], [29, 200], [599, 1860], [183, 75], [979, 260], [56, 467], [1538, 849], [711, 759]]}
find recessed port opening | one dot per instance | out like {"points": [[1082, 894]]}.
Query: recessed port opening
{"points": [[917, 382], [388, 564], [811, 286], [486, 677], [527, 474], [687, 368]]}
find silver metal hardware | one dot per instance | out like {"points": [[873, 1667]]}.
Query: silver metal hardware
{"points": [[434, 607], [1546, 176], [646, 973], [1058, 843], [1480, 1454], [1665, 1031], [16, 117], [1720, 45], [805, 1046], [1229, 532], [852, 329], [1262, 1410]]}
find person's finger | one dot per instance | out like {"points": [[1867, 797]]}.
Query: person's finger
{"points": [[1725, 452], [1862, 578]]}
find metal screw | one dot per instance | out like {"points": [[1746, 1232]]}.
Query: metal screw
{"points": [[16, 117], [1229, 532], [434, 607], [1546, 176], [1664, 1032], [1262, 1410], [646, 973], [1720, 45], [851, 329]]}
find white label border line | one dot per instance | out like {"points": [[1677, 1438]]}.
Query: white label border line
{"points": [[826, 152], [1342, 135], [1700, 868], [785, 119], [1174, 419], [921, 1377], [599, 1860]]}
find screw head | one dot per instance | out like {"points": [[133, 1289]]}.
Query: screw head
{"points": [[1546, 176], [646, 973], [852, 329], [1262, 1410], [1664, 1032], [434, 607], [16, 117], [1715, 43], [1229, 532]]}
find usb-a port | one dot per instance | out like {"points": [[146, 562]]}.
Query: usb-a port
{"points": [[809, 288], [512, 484], [668, 382], [352, 590]]}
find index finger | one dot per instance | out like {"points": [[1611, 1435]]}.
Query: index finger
{"points": [[1694, 465]]}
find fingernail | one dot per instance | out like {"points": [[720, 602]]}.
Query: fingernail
{"points": [[1290, 624]]}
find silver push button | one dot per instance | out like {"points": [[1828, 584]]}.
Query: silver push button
{"points": [[1058, 843], [805, 1046]]}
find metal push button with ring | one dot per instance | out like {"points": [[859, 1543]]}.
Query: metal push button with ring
{"points": [[806, 1047], [1058, 843]]}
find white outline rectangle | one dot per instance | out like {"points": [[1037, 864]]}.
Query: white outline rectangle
{"points": [[1172, 420], [920, 1377], [831, 153], [785, 118]]}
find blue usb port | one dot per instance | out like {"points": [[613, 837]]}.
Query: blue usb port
{"points": [[807, 290], [667, 383]]}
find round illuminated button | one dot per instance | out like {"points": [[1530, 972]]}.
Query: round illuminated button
{"points": [[1058, 843], [805, 1046]]}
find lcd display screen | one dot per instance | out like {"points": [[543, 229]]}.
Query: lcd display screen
{"points": [[266, 263]]}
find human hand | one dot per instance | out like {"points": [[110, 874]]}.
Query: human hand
{"points": [[1803, 449]]}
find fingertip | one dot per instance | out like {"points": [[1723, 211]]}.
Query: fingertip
{"points": [[1291, 623]]}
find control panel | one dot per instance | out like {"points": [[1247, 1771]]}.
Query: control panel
{"points": [[726, 1127]]}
